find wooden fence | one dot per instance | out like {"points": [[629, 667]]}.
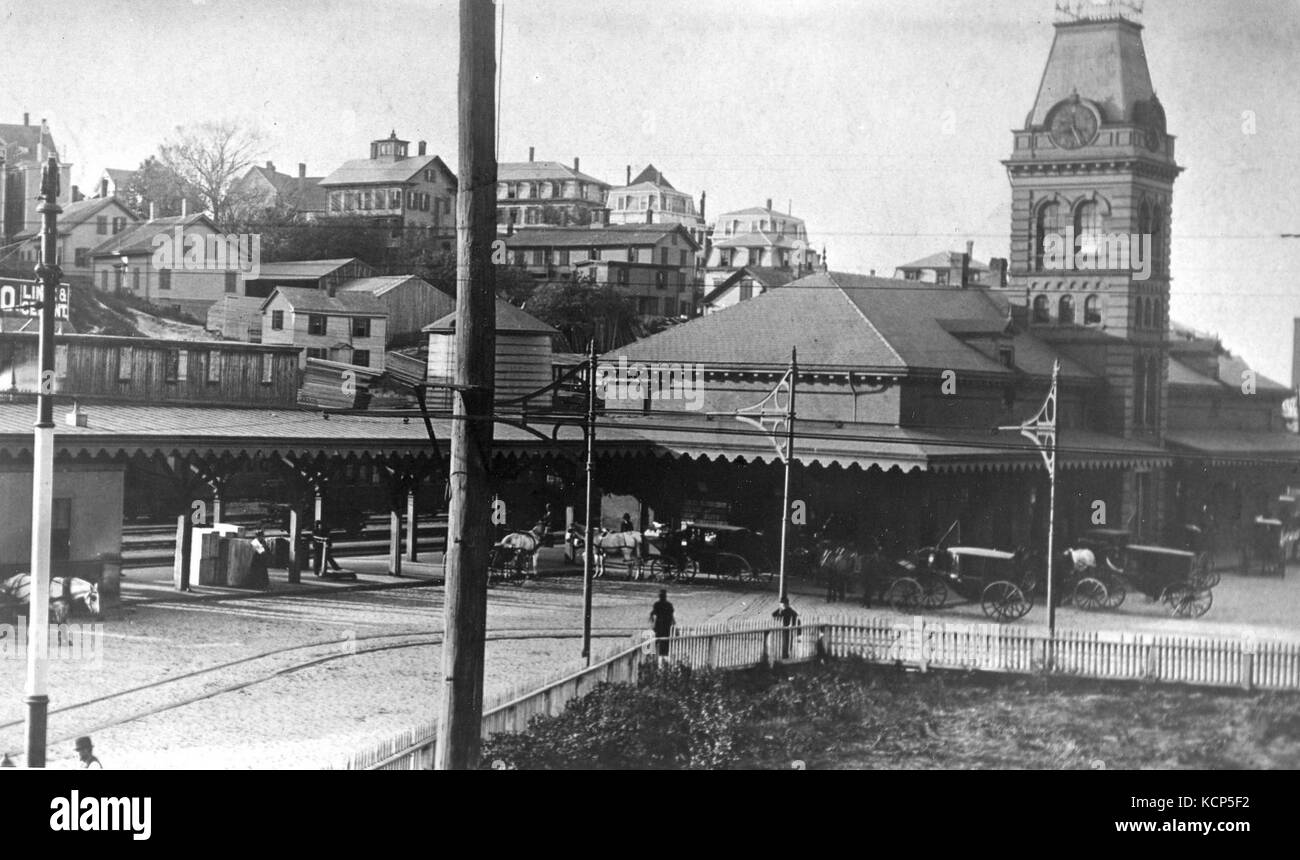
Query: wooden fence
{"points": [[919, 643]]}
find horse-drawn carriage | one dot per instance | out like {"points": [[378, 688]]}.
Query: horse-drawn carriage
{"points": [[1000, 581], [1108, 566], [722, 551]]}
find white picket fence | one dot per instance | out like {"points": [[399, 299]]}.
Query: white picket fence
{"points": [[918, 643]]}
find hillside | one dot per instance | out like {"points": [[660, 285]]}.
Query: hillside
{"points": [[93, 312]]}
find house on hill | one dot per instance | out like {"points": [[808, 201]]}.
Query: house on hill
{"points": [[412, 303], [339, 326], [83, 226], [264, 187], [743, 285], [533, 193], [237, 315]]}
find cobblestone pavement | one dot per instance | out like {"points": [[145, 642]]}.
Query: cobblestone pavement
{"points": [[315, 716]]}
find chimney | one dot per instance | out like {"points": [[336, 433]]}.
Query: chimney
{"points": [[270, 165], [576, 165], [27, 119], [530, 154], [704, 195], [650, 215], [769, 204], [76, 418], [153, 210], [185, 207], [421, 147], [302, 170], [966, 260], [76, 194], [103, 187], [629, 175]]}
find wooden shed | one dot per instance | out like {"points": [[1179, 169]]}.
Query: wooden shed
{"points": [[412, 303], [523, 354]]}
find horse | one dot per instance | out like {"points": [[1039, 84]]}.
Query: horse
{"points": [[66, 596], [529, 542], [627, 544], [1083, 560], [836, 564]]}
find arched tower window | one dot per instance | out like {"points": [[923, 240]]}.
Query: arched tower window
{"points": [[1153, 392], [1051, 221], [1088, 227], [1139, 392], [1041, 312], [1092, 310], [1065, 310], [1157, 239]]}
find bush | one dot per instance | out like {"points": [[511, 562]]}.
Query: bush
{"points": [[675, 719]]}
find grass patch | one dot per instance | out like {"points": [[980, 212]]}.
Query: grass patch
{"points": [[851, 714]]}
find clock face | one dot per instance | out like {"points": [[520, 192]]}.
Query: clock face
{"points": [[1074, 125]]}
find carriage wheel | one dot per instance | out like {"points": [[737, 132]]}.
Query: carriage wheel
{"points": [[1005, 602], [1115, 594], [1203, 573], [732, 566], [685, 572], [1189, 602], [905, 595], [1090, 594], [935, 594]]}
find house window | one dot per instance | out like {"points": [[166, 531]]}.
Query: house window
{"points": [[595, 253], [539, 257], [125, 357], [232, 282], [135, 280], [118, 225], [1051, 223], [214, 366], [685, 309], [683, 259], [622, 275], [1065, 310], [315, 352], [395, 199], [183, 365], [1041, 312], [361, 357], [164, 279], [82, 258], [941, 276], [172, 365], [661, 280], [101, 225], [564, 257], [631, 254], [277, 320], [1092, 310], [361, 327], [266, 367], [663, 255], [315, 324], [1007, 356]]}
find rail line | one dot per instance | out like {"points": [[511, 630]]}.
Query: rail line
{"points": [[351, 649]]}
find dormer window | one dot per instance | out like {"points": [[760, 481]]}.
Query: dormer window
{"points": [[1007, 357]]}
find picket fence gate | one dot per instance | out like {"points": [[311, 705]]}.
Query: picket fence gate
{"points": [[918, 643]]}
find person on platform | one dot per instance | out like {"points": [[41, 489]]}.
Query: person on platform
{"points": [[86, 752], [626, 525], [661, 616], [788, 618]]}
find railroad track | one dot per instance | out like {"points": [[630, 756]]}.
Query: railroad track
{"points": [[333, 649]]}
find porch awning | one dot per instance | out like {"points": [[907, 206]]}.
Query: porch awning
{"points": [[1237, 447], [883, 446]]}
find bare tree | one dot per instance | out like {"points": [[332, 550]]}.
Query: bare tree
{"points": [[209, 157]]}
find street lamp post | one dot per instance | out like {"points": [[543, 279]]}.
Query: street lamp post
{"points": [[1042, 431], [47, 271]]}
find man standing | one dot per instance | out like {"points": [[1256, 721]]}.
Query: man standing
{"points": [[661, 616], [626, 525], [788, 618], [86, 752]]}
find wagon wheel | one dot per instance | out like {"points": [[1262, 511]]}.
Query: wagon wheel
{"points": [[1004, 602], [905, 595], [732, 566], [685, 572], [1203, 573], [1115, 593], [497, 562], [1090, 594], [935, 594], [1193, 602]]}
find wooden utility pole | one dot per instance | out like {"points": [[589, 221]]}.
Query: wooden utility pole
{"points": [[589, 534], [469, 514]]}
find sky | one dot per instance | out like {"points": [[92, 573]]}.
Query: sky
{"points": [[882, 123]]}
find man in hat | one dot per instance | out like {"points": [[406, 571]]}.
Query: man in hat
{"points": [[788, 618], [661, 616], [86, 752]]}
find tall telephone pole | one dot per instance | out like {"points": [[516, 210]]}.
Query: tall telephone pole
{"points": [[43, 473], [469, 514]]}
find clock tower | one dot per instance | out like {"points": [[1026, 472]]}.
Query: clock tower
{"points": [[1092, 175]]}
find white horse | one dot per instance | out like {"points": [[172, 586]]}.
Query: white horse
{"points": [[626, 544], [529, 542], [1084, 560], [66, 596]]}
